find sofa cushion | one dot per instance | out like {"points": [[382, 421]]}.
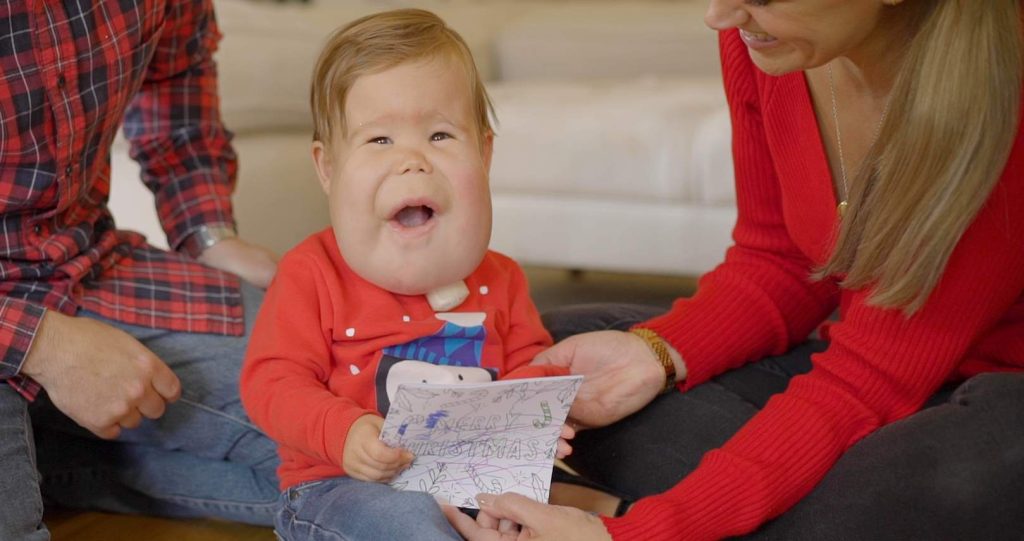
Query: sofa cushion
{"points": [[620, 236], [269, 48], [608, 40], [266, 57], [649, 139], [712, 160]]}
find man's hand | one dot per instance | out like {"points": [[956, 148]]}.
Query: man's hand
{"points": [[99, 376], [621, 374], [366, 458], [254, 264]]}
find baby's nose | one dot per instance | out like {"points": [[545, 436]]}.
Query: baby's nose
{"points": [[413, 161]]}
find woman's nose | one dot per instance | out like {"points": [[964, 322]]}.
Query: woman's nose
{"points": [[725, 14]]}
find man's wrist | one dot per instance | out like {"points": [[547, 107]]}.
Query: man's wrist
{"points": [[39, 353], [204, 237], [670, 359]]}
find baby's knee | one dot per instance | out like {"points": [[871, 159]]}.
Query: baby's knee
{"points": [[399, 514]]}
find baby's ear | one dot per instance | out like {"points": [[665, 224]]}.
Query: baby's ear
{"points": [[324, 165]]}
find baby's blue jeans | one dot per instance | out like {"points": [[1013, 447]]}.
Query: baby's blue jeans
{"points": [[342, 508]]}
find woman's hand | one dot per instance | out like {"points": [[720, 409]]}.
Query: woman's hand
{"points": [[254, 264], [499, 514], [366, 458], [621, 374], [564, 449], [535, 370]]}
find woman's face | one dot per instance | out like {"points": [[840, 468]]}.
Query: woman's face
{"points": [[789, 35]]}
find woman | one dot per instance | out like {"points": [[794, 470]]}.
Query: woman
{"points": [[880, 172]]}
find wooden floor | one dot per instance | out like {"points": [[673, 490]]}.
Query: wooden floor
{"points": [[71, 526], [550, 288]]}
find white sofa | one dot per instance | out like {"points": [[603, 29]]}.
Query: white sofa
{"points": [[613, 138]]}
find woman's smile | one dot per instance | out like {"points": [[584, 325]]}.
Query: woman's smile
{"points": [[758, 40]]}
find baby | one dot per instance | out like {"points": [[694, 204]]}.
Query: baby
{"points": [[401, 287]]}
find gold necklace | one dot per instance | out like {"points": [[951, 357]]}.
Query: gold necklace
{"points": [[841, 207]]}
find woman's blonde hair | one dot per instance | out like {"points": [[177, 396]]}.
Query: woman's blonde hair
{"points": [[953, 117], [377, 42]]}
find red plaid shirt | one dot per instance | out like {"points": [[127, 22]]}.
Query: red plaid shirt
{"points": [[71, 71]]}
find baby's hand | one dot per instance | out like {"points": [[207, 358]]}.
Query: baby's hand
{"points": [[366, 458]]}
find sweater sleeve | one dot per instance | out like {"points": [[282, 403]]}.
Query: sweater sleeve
{"points": [[525, 335], [284, 378], [760, 301], [880, 367]]}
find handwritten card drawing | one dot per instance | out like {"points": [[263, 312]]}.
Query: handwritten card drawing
{"points": [[486, 437]]}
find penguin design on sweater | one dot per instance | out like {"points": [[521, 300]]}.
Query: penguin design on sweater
{"points": [[452, 355]]}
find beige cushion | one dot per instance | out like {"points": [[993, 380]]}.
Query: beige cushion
{"points": [[608, 40], [632, 139], [267, 55], [269, 48]]}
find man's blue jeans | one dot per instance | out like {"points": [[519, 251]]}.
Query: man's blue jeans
{"points": [[203, 458]]}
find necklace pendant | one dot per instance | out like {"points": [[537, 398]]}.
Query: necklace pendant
{"points": [[841, 209]]}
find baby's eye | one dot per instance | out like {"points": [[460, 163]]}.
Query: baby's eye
{"points": [[758, 2], [380, 140], [440, 136]]}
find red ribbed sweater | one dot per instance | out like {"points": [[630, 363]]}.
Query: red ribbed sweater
{"points": [[880, 366]]}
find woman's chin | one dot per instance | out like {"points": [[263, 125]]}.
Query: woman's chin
{"points": [[776, 63], [774, 69]]}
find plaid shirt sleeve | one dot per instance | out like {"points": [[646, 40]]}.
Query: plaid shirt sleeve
{"points": [[175, 129], [19, 321]]}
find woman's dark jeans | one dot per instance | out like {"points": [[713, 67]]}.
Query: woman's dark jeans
{"points": [[954, 470]]}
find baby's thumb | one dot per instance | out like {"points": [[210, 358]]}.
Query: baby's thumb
{"points": [[385, 453]]}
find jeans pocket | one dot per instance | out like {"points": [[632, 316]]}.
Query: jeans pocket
{"points": [[288, 526], [294, 494]]}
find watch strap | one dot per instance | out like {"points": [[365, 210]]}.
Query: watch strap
{"points": [[660, 349], [204, 237]]}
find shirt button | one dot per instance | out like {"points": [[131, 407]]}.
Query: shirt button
{"points": [[68, 170], [61, 81], [37, 229]]}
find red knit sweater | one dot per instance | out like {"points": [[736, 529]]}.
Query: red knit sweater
{"points": [[315, 361], [880, 366]]}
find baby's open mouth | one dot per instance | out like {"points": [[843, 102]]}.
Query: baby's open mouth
{"points": [[413, 216]]}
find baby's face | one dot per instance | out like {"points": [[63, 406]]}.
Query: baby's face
{"points": [[407, 182]]}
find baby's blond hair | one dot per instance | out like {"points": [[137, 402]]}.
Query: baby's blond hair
{"points": [[376, 43]]}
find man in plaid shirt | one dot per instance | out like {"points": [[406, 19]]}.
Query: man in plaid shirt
{"points": [[111, 328]]}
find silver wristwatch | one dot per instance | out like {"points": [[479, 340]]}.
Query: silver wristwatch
{"points": [[205, 236]]}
